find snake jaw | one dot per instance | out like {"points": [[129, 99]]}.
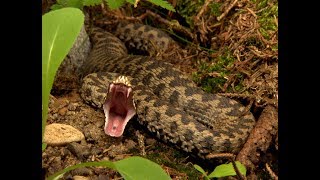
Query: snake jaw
{"points": [[118, 108]]}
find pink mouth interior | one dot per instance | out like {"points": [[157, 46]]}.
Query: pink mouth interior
{"points": [[118, 108]]}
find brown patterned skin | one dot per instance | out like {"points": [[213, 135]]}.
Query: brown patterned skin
{"points": [[167, 102]]}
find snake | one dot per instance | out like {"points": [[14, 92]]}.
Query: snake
{"points": [[161, 97]]}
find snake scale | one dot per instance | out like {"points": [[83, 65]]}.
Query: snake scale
{"points": [[166, 101]]}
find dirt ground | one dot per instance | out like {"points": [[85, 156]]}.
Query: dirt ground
{"points": [[236, 57]]}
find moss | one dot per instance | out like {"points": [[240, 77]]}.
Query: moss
{"points": [[188, 9], [252, 41], [215, 8], [189, 170], [219, 70], [267, 17]]}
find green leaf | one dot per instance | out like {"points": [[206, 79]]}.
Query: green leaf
{"points": [[132, 168], [115, 4], [163, 4], [91, 2], [130, 1], [75, 3], [67, 3], [138, 168], [60, 29], [227, 170], [44, 145], [197, 167], [56, 6], [108, 164]]}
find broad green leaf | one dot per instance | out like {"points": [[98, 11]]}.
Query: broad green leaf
{"points": [[227, 170], [75, 3], [107, 164], [91, 2], [164, 4], [131, 1], [138, 168], [60, 29], [115, 4], [197, 167], [132, 168], [67, 3]]}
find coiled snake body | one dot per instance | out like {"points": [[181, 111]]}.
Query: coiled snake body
{"points": [[169, 104]]}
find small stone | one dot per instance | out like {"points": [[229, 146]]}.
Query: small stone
{"points": [[130, 144], [96, 151], [82, 171], [80, 178], [73, 106], [63, 111], [93, 133], [60, 134], [103, 177], [99, 124], [70, 113], [105, 158], [150, 141], [81, 151]]}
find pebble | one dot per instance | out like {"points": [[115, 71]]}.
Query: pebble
{"points": [[130, 144], [82, 171], [150, 141], [81, 151], [73, 106], [102, 177], [70, 113], [63, 111], [60, 134], [80, 178]]}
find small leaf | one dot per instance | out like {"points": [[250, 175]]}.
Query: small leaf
{"points": [[56, 6], [75, 3], [68, 3], [115, 4], [137, 168], [91, 2], [197, 167], [44, 145], [131, 1], [227, 170], [163, 4]]}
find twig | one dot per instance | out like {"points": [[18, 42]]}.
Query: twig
{"points": [[227, 10], [271, 173], [104, 11], [221, 155], [174, 26], [202, 10], [240, 176], [250, 11], [260, 138], [141, 143]]}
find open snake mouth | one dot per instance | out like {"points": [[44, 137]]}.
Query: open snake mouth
{"points": [[118, 108]]}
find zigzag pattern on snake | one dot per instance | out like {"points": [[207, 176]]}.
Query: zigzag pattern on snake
{"points": [[167, 102]]}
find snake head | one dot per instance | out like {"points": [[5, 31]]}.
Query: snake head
{"points": [[119, 106]]}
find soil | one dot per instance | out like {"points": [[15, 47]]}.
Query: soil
{"points": [[70, 109]]}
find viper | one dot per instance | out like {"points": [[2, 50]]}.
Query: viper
{"points": [[165, 100]]}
